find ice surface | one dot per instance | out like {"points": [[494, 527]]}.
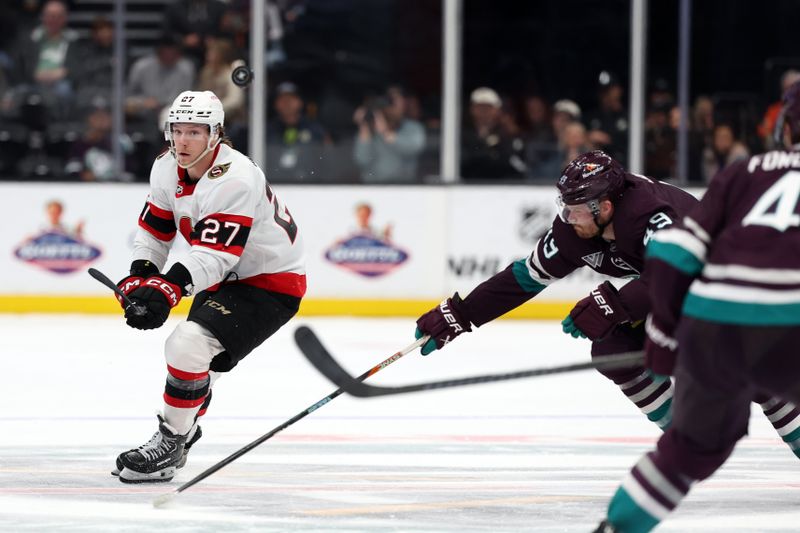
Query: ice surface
{"points": [[539, 454]]}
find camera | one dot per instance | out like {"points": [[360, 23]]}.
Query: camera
{"points": [[376, 104]]}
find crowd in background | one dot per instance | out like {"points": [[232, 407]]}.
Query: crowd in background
{"points": [[56, 94]]}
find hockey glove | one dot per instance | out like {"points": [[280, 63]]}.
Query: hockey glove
{"points": [[443, 323], [596, 315], [660, 349], [158, 294], [140, 270]]}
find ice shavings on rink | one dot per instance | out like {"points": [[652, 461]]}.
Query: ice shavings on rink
{"points": [[540, 454]]}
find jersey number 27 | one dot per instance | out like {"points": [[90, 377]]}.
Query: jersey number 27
{"points": [[282, 216]]}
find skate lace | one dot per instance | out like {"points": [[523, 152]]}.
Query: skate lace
{"points": [[156, 446]]}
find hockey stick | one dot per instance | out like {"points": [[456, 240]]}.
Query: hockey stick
{"points": [[321, 358], [138, 310], [299, 333]]}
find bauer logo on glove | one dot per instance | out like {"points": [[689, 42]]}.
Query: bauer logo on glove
{"points": [[597, 315], [443, 323]]}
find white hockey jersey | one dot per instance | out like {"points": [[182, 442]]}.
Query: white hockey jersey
{"points": [[232, 220]]}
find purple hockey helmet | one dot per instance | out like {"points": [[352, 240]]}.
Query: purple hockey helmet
{"points": [[790, 114], [591, 176]]}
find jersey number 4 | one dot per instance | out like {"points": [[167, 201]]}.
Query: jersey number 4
{"points": [[776, 207], [282, 216]]}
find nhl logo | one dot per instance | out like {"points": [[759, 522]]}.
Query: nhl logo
{"points": [[535, 223]]}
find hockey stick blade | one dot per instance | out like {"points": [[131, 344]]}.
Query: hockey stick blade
{"points": [[323, 361], [138, 310], [302, 332]]}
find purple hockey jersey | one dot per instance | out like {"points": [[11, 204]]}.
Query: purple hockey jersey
{"points": [[645, 206], [741, 243]]}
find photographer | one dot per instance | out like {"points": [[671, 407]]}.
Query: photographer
{"points": [[388, 144]]}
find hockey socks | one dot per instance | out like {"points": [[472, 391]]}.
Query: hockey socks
{"points": [[184, 396], [647, 495], [652, 394], [785, 418]]}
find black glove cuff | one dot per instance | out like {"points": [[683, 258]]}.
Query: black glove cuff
{"points": [[143, 268], [457, 304], [614, 297], [180, 276]]}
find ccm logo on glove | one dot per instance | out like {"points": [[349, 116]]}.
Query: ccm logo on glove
{"points": [[168, 289]]}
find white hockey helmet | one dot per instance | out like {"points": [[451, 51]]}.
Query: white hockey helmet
{"points": [[196, 107]]}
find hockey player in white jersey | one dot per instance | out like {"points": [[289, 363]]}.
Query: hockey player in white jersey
{"points": [[245, 269]]}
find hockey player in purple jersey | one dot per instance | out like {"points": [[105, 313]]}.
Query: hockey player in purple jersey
{"points": [[607, 216], [727, 310]]}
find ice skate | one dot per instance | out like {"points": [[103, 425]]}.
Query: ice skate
{"points": [[605, 527], [157, 460], [194, 435]]}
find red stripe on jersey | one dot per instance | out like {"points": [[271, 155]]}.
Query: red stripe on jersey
{"points": [[158, 222], [282, 282], [186, 376], [160, 213], [183, 404], [238, 219], [155, 233]]}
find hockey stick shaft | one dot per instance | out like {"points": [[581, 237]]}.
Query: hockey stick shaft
{"points": [[102, 278], [300, 332], [321, 358]]}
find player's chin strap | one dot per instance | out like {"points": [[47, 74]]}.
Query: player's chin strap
{"points": [[213, 142], [594, 207]]}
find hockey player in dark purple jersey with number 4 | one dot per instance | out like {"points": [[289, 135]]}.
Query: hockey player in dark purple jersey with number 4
{"points": [[606, 218], [727, 309]]}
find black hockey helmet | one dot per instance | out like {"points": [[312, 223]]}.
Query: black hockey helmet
{"points": [[790, 114], [591, 176]]}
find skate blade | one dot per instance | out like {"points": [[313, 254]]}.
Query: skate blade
{"points": [[115, 472], [162, 476]]}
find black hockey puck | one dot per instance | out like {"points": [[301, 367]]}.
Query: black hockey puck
{"points": [[242, 76]]}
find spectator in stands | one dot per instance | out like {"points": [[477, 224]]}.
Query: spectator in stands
{"points": [[703, 117], [696, 146], [574, 141], [608, 124], [487, 151], [545, 158], [538, 122], [767, 125], [388, 143], [659, 139], [565, 112], [296, 143], [215, 76], [97, 63], [153, 83], [193, 21], [91, 157], [724, 150], [46, 61]]}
